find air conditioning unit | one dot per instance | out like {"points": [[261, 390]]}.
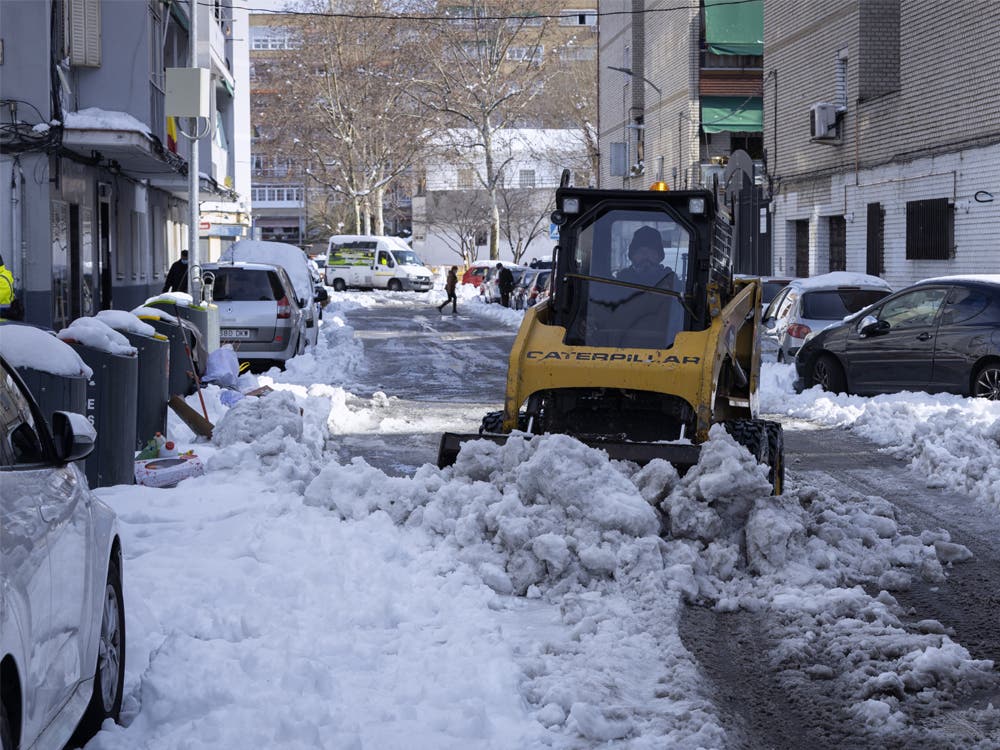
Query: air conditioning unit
{"points": [[823, 121]]}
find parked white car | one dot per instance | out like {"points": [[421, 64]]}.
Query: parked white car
{"points": [[62, 615], [375, 262], [808, 305]]}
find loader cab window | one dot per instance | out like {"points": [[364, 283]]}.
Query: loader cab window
{"points": [[642, 254]]}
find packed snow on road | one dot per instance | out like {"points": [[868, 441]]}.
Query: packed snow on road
{"points": [[530, 595]]}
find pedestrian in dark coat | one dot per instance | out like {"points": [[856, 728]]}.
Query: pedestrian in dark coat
{"points": [[449, 288], [505, 283], [177, 276]]}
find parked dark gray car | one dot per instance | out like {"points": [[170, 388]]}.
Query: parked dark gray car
{"points": [[939, 335]]}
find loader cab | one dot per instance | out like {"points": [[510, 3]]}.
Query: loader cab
{"points": [[633, 268]]}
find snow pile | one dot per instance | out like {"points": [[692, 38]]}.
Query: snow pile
{"points": [[125, 321], [181, 299], [554, 520], [156, 313], [37, 349], [97, 335], [93, 118], [952, 441], [335, 357], [268, 432]]}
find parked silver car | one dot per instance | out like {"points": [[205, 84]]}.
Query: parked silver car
{"points": [[808, 305], [259, 314], [62, 616]]}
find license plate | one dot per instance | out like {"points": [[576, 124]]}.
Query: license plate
{"points": [[234, 333]]}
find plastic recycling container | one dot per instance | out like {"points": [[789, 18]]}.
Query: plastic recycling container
{"points": [[205, 317], [112, 397], [153, 390], [52, 371], [180, 381]]}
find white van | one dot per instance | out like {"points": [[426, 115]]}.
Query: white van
{"points": [[375, 262]]}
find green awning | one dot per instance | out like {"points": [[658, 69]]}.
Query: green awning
{"points": [[734, 27], [732, 113]]}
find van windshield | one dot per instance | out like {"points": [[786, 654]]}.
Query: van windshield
{"points": [[407, 258]]}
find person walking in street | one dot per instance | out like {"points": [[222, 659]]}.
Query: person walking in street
{"points": [[177, 276], [449, 287], [505, 283]]}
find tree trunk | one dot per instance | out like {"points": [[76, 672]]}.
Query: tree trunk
{"points": [[357, 216], [377, 198]]}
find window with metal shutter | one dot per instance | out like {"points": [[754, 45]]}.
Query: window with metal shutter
{"points": [[930, 230], [83, 22]]}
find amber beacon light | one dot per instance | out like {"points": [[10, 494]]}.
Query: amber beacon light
{"points": [[659, 185]]}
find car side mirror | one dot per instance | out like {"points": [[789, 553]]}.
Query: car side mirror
{"points": [[872, 326], [321, 294], [302, 302], [74, 436]]}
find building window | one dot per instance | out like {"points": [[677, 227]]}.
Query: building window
{"points": [[875, 250], [578, 18], [619, 159], [838, 243], [466, 179], [528, 54], [526, 178], [272, 38], [578, 53], [930, 230]]}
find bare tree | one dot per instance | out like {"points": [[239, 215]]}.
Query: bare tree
{"points": [[459, 217], [488, 65], [350, 104], [524, 215]]}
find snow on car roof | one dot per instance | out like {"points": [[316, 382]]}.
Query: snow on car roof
{"points": [[840, 278], [982, 278]]}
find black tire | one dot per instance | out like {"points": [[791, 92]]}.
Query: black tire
{"points": [[339, 285], [109, 674], [776, 456], [828, 374], [492, 423], [751, 434], [986, 384], [395, 286], [6, 734]]}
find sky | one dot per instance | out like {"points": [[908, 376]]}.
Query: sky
{"points": [[529, 596]]}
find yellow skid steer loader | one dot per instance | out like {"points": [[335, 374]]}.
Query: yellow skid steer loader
{"points": [[646, 340]]}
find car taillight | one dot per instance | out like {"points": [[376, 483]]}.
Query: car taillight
{"points": [[284, 308], [798, 331]]}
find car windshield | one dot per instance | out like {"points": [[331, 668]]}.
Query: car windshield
{"points": [[834, 304], [245, 285], [631, 249], [407, 258], [541, 279]]}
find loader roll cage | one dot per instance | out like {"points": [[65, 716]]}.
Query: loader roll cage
{"points": [[602, 295]]}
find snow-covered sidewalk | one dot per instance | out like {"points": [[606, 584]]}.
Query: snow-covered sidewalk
{"points": [[527, 597]]}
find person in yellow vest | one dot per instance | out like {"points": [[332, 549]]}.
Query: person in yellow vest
{"points": [[6, 284]]}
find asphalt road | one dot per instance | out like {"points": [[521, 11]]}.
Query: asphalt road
{"points": [[447, 371]]}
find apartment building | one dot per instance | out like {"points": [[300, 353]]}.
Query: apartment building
{"points": [[680, 88], [881, 124], [92, 171]]}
